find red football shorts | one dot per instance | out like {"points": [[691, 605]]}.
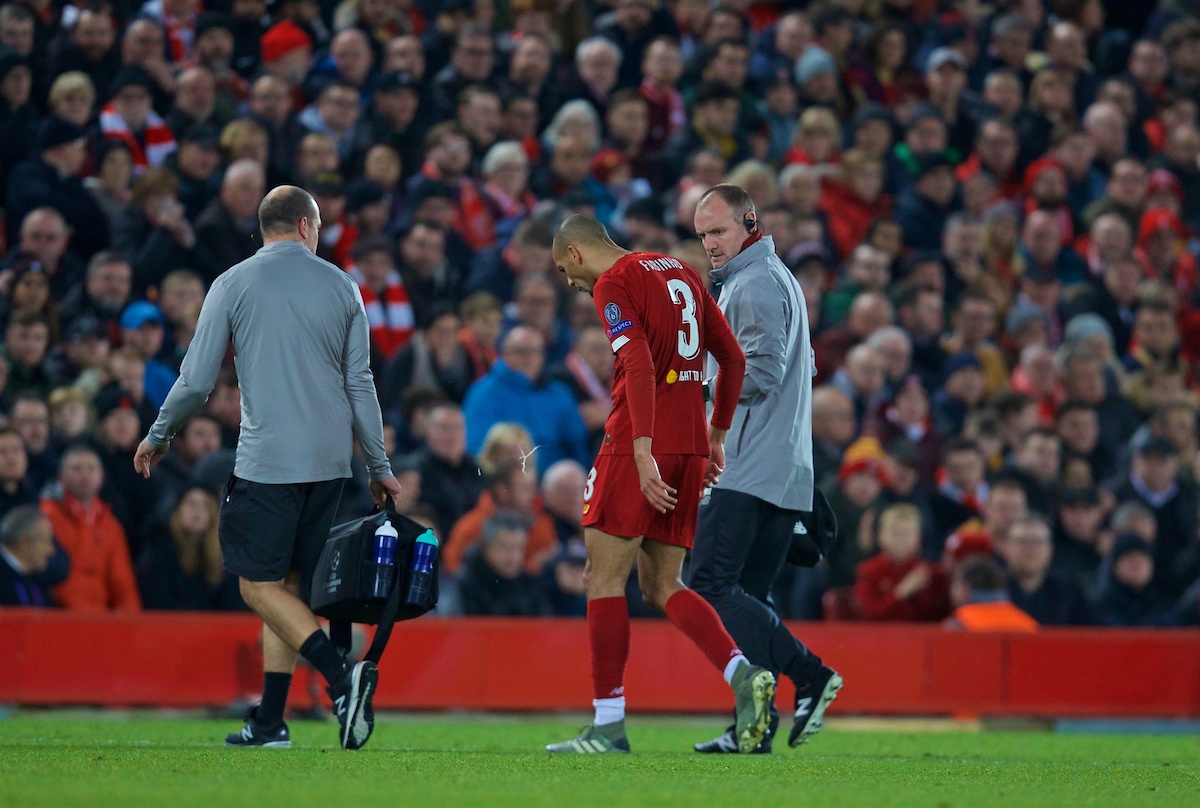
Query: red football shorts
{"points": [[613, 501]]}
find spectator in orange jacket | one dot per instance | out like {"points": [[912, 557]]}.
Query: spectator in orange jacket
{"points": [[896, 583], [511, 487], [980, 598], [101, 571]]}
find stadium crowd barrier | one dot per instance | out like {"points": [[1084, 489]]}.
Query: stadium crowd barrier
{"points": [[183, 660]]}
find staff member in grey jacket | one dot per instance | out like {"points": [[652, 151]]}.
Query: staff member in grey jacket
{"points": [[301, 347], [747, 521]]}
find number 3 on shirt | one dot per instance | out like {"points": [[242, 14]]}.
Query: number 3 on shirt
{"points": [[689, 335]]}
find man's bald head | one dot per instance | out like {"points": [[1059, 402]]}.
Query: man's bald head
{"points": [[283, 208]]}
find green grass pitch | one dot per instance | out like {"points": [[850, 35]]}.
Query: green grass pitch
{"points": [[56, 760]]}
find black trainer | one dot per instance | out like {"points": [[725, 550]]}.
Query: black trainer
{"points": [[256, 734], [811, 702], [726, 742], [352, 704]]}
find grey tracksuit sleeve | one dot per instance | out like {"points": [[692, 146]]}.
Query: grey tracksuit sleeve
{"points": [[301, 346], [759, 319]]}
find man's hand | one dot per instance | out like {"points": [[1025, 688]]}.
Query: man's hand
{"points": [[381, 490], [916, 580], [661, 496], [716, 457], [147, 456]]}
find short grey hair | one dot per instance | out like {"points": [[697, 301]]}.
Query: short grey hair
{"points": [[504, 520], [592, 43], [506, 151], [19, 523]]}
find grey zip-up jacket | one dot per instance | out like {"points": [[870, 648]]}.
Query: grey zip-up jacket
{"points": [[301, 344], [768, 451]]}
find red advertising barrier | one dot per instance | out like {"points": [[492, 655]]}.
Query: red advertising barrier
{"points": [[198, 660]]}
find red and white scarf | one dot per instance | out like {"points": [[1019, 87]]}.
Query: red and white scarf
{"points": [[667, 98], [507, 204], [151, 149], [391, 319], [471, 217]]}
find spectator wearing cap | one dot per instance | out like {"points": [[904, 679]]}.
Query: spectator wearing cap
{"points": [[389, 311], [79, 360], [337, 112], [1162, 237], [51, 179], [196, 164], [946, 79], [923, 207], [129, 116], [142, 329], [396, 117], [18, 113], [1128, 593], [368, 208], [89, 46], [286, 50], [853, 496], [227, 230], [816, 76], [101, 576], [214, 50], [1154, 479], [1079, 536]]}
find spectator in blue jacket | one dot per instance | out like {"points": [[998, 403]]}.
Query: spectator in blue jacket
{"points": [[513, 391]]}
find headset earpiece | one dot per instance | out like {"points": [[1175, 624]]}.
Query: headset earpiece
{"points": [[750, 224]]}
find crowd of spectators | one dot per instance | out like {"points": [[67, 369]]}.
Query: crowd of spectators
{"points": [[990, 204]]}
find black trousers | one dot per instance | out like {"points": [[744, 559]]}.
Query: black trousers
{"points": [[741, 547]]}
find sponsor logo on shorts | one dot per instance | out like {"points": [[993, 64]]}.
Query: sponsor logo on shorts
{"points": [[612, 313]]}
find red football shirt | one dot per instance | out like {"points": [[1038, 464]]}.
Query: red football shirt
{"points": [[661, 302]]}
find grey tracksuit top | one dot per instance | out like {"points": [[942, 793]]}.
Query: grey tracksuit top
{"points": [[301, 345], [768, 451]]}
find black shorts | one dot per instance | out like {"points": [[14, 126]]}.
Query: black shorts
{"points": [[268, 530]]}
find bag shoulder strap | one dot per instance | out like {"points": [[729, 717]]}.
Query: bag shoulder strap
{"points": [[387, 620]]}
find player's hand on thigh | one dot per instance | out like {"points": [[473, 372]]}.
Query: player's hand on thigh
{"points": [[661, 496]]}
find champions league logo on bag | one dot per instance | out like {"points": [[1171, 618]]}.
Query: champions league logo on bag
{"points": [[335, 581]]}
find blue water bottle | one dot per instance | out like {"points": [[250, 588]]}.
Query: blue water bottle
{"points": [[385, 560], [420, 582]]}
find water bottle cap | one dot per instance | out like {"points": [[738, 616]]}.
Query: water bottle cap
{"points": [[386, 529], [428, 538]]}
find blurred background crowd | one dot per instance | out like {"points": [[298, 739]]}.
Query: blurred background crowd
{"points": [[990, 207]]}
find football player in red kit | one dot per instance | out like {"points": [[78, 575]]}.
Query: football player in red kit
{"points": [[642, 496]]}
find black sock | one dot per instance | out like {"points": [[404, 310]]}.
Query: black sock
{"points": [[274, 698], [318, 650]]}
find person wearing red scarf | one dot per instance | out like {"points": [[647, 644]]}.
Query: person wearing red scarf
{"points": [[1163, 239], [855, 201], [1045, 188], [389, 311]]}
